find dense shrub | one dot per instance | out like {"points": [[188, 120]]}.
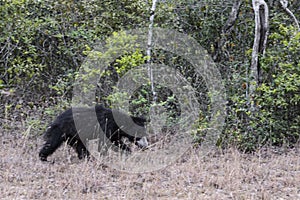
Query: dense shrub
{"points": [[45, 43], [277, 118]]}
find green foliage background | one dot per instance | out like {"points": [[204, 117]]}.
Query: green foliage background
{"points": [[44, 43]]}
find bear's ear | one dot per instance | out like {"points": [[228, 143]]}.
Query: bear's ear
{"points": [[138, 120]]}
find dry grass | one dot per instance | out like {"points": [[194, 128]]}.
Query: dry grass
{"points": [[226, 175]]}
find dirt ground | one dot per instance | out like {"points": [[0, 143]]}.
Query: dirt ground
{"points": [[267, 174]]}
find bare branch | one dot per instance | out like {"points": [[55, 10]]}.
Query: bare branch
{"points": [[227, 27], [284, 5], [233, 16]]}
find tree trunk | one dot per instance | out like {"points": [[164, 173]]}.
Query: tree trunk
{"points": [[261, 12], [150, 33]]}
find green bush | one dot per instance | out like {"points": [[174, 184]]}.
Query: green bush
{"points": [[42, 42], [277, 120], [279, 98]]}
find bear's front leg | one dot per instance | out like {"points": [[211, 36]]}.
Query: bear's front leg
{"points": [[54, 138]]}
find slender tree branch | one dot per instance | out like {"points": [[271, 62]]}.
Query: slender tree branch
{"points": [[284, 5], [227, 27]]}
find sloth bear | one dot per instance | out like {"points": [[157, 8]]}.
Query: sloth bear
{"points": [[78, 125]]}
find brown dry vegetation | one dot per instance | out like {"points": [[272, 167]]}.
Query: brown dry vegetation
{"points": [[267, 174]]}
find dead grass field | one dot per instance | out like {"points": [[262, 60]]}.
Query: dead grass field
{"points": [[267, 174]]}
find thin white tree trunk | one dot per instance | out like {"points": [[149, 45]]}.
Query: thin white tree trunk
{"points": [[261, 12], [150, 33]]}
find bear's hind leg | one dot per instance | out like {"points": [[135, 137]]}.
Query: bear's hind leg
{"points": [[81, 150]]}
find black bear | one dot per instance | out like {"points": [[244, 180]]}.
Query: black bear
{"points": [[77, 125]]}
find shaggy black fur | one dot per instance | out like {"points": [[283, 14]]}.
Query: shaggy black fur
{"points": [[114, 125]]}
